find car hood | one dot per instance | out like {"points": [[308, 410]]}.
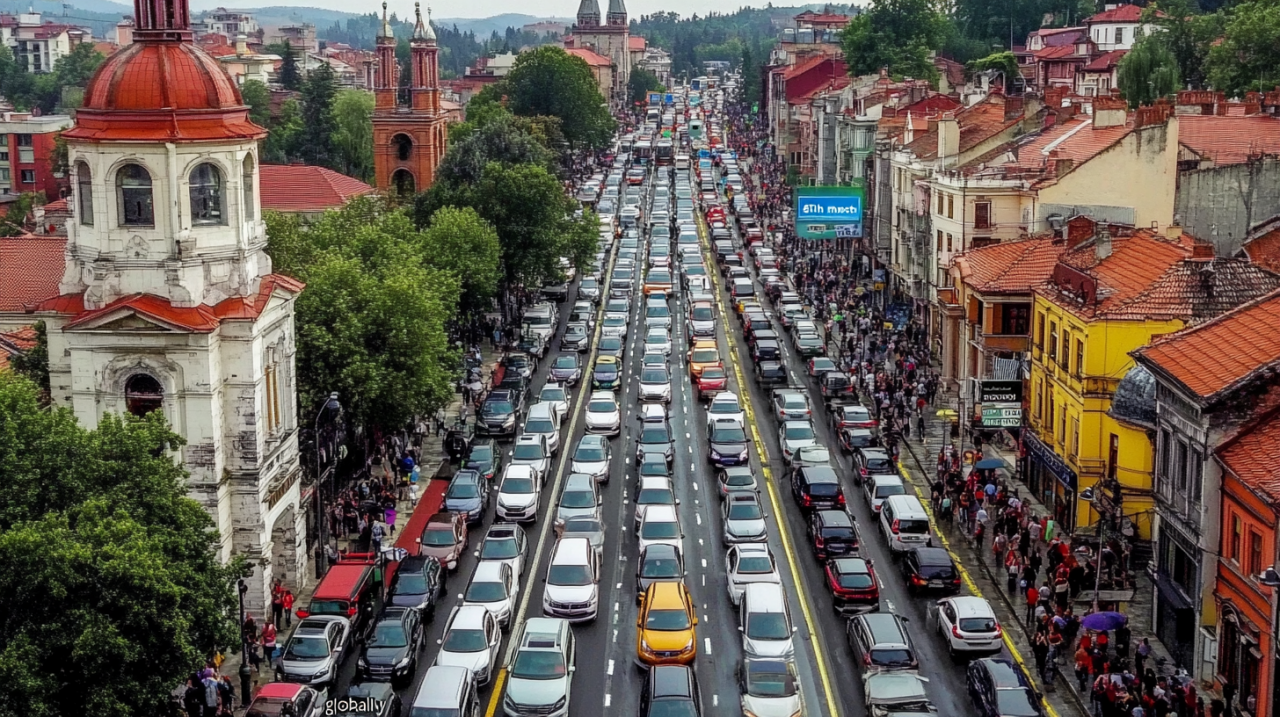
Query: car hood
{"points": [[591, 467], [728, 449], [385, 655], [442, 553], [306, 667], [772, 706], [768, 648], [517, 500], [474, 661], [795, 444], [461, 505], [598, 419], [536, 692], [744, 527], [668, 639], [570, 593]]}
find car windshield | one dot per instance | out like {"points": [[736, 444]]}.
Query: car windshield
{"points": [[745, 510], [768, 626], [461, 489], [877, 464], [1015, 703], [654, 467], [498, 408], [653, 375], [667, 620], [794, 401], [657, 311], [540, 425], [702, 313], [577, 331], [886, 490], [728, 435], [855, 581], [481, 454], [538, 665], [798, 433], [588, 283], [553, 394], [486, 592], [655, 496], [389, 634], [602, 406], [307, 648], [499, 549], [528, 451], [660, 530], [655, 337], [654, 433], [660, 568], [726, 406], [770, 683], [440, 536], [408, 583], [713, 372], [572, 575], [577, 499], [581, 525], [888, 657], [615, 321], [705, 356], [978, 624], [566, 362], [839, 532], [464, 641], [517, 485]]}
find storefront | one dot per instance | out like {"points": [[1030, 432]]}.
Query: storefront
{"points": [[1051, 481]]}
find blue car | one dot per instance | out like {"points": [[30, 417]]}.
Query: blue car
{"points": [[468, 494]]}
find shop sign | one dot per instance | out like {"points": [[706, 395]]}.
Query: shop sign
{"points": [[1042, 454], [1001, 417], [995, 391]]}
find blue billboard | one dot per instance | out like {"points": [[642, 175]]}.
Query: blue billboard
{"points": [[655, 98], [829, 212]]}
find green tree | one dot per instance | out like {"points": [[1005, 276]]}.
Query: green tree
{"points": [[34, 362], [318, 93], [504, 139], [287, 132], [77, 67], [549, 81], [1004, 62], [641, 83], [106, 566], [258, 98], [458, 241], [15, 220], [1248, 58], [290, 74], [353, 140], [1148, 72], [897, 34]]}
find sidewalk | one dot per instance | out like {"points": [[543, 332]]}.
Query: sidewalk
{"points": [[410, 523]]}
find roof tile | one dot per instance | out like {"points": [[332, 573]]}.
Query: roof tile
{"points": [[1229, 140], [304, 188], [1253, 455], [1014, 267], [30, 269]]}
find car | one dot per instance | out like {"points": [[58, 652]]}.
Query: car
{"points": [[544, 421], [794, 435], [505, 543], [591, 528], [749, 564], [820, 366], [585, 313], [576, 338], [391, 650], [566, 369], [655, 439], [658, 562], [872, 461], [609, 347], [499, 413], [742, 518], [579, 498], [484, 458], [557, 397], [852, 439], [532, 450], [494, 586], [967, 624], [519, 493], [653, 490], [655, 383], [725, 405], [814, 455], [727, 443], [670, 691], [878, 488], [702, 316], [810, 345], [418, 583], [894, 693], [832, 533], [471, 640], [817, 488], [657, 341], [711, 382], [666, 626], [540, 677], [366, 699], [467, 494], [930, 569], [593, 454], [270, 700], [614, 326], [314, 653], [657, 315], [731, 479], [790, 404], [704, 354], [607, 374], [660, 524], [769, 688], [770, 373], [999, 688], [765, 350], [521, 363], [764, 622], [444, 538], [853, 585], [590, 289]]}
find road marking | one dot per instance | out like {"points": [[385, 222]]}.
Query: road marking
{"points": [[610, 670], [695, 484], [707, 641], [608, 698], [704, 563], [698, 516], [715, 700]]}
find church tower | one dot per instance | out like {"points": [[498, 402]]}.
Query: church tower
{"points": [[409, 129], [610, 38], [588, 14], [617, 14]]}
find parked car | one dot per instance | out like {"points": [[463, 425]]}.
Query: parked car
{"points": [[444, 538], [391, 651], [999, 688], [314, 653]]}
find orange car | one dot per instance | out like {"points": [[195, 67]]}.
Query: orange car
{"points": [[704, 354], [657, 280], [665, 633]]}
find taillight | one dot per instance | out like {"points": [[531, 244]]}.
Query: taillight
{"points": [[998, 630], [955, 630], [917, 580], [840, 498], [866, 659], [864, 472], [303, 613], [818, 542], [808, 500], [894, 528], [351, 612]]}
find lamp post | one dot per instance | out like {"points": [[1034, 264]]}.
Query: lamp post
{"points": [[1271, 578], [331, 404], [245, 673]]}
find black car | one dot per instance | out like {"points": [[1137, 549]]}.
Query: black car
{"points": [[418, 584], [832, 534], [1000, 688], [659, 561], [390, 653], [771, 373], [762, 335], [519, 363], [566, 369], [817, 488], [363, 699], [499, 413], [655, 440], [755, 322], [930, 569], [605, 375], [670, 690], [727, 443], [766, 350], [873, 462], [516, 384], [484, 458]]}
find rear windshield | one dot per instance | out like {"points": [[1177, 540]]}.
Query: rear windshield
{"points": [[913, 526], [838, 533], [855, 581], [824, 489], [937, 571], [879, 465], [978, 624], [891, 658], [884, 491]]}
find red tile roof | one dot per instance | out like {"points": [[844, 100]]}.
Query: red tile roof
{"points": [[593, 59], [1076, 139], [1229, 140], [1057, 52], [1014, 267], [1262, 246], [1222, 353], [1124, 13], [1253, 455], [30, 269], [1105, 62], [635, 42], [978, 123], [195, 319], [304, 188], [59, 205], [803, 66], [1135, 264]]}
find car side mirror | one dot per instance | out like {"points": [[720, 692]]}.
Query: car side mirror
{"points": [[439, 641]]}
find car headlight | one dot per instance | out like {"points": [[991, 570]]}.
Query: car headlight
{"points": [[403, 663], [743, 455], [644, 644], [511, 421], [362, 662], [560, 703]]}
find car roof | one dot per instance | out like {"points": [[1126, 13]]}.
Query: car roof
{"points": [[443, 517], [576, 551], [970, 606], [1003, 673], [501, 530], [851, 565], [660, 513], [724, 396], [661, 550], [653, 412], [932, 556], [835, 517], [540, 410], [742, 496], [575, 479], [488, 570], [651, 482], [666, 593], [671, 681], [607, 359], [529, 438], [761, 548], [884, 478]]}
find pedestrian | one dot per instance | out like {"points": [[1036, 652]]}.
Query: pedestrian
{"points": [[1143, 652], [1083, 663], [212, 695], [277, 604], [1040, 650], [269, 642], [1033, 599], [376, 534], [227, 692]]}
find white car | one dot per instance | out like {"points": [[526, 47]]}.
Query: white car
{"points": [[657, 341], [531, 450], [506, 543], [748, 563], [967, 624], [770, 688], [654, 490], [572, 588], [655, 383], [617, 308], [660, 524], [794, 435], [556, 395], [603, 414], [725, 405], [519, 494], [743, 518], [493, 586], [879, 488], [614, 326], [471, 640], [542, 421]]}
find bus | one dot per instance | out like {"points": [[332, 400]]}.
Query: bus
{"points": [[695, 129], [642, 151], [664, 152]]}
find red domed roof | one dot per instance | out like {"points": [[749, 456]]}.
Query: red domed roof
{"points": [[162, 90]]}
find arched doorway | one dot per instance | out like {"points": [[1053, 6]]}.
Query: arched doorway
{"points": [[404, 147], [143, 394], [284, 550], [403, 183]]}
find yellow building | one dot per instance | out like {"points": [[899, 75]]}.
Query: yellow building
{"points": [[1110, 295]]}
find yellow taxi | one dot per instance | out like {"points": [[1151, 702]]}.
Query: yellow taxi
{"points": [[704, 354], [665, 633], [657, 280]]}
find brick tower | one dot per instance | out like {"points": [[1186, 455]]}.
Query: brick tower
{"points": [[409, 134]]}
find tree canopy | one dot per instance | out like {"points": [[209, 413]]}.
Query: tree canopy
{"points": [[897, 34], [1148, 72], [550, 82], [1248, 58], [641, 83], [353, 137]]}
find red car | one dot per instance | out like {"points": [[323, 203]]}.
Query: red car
{"points": [[715, 214], [853, 585], [713, 380], [852, 416]]}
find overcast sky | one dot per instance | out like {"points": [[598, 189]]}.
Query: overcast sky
{"points": [[489, 8]]}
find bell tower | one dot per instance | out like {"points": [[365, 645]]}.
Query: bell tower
{"points": [[409, 133]]}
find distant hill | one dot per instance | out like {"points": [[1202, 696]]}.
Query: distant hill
{"points": [[52, 9], [485, 26]]}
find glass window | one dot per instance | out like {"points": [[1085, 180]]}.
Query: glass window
{"points": [[28, 176], [142, 394], [206, 195], [246, 186], [84, 193], [1235, 538], [133, 185]]}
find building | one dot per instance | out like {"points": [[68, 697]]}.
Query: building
{"points": [[791, 89], [491, 69], [302, 38], [228, 23], [167, 301], [37, 44], [601, 68], [124, 32], [409, 139], [657, 61], [243, 64], [307, 191], [1117, 27], [610, 38], [813, 33], [1099, 76], [27, 154]]}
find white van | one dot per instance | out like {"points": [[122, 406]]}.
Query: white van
{"points": [[572, 589], [904, 523]]}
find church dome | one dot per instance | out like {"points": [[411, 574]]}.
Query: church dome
{"points": [[1135, 398]]}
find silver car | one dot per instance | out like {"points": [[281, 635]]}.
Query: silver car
{"points": [[743, 518], [655, 382], [540, 676], [532, 450], [770, 688], [493, 586], [794, 435], [591, 528], [471, 640], [313, 654], [579, 499], [593, 453]]}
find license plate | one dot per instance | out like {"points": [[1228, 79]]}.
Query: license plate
{"points": [[935, 583]]}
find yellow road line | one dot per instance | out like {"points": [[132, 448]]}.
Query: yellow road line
{"points": [[780, 516]]}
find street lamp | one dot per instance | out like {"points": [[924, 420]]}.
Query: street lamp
{"points": [[245, 673], [1271, 578], [321, 542]]}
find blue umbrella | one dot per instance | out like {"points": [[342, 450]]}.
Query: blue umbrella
{"points": [[989, 464], [1103, 621]]}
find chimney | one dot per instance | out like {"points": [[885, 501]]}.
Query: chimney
{"points": [[1173, 231], [1108, 112], [242, 45], [1077, 230], [1102, 244], [948, 136]]}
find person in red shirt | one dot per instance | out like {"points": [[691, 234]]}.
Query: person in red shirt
{"points": [[1033, 597], [287, 602]]}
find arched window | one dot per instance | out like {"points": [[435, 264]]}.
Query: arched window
{"points": [[403, 182], [84, 193], [246, 186], [403, 145], [133, 187], [143, 394], [206, 195]]}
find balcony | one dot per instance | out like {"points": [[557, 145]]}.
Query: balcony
{"points": [[1099, 387]]}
